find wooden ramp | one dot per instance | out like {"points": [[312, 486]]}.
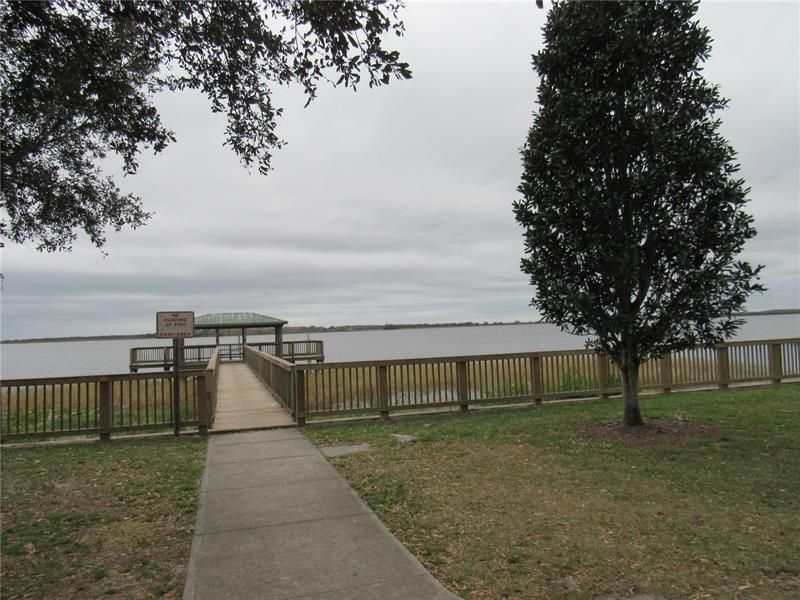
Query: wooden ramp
{"points": [[244, 403]]}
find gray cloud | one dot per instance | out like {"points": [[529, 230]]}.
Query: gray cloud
{"points": [[394, 204]]}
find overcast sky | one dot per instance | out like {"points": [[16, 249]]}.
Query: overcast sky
{"points": [[394, 204]]}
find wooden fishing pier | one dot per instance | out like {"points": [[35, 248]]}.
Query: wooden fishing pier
{"points": [[197, 356], [236, 399], [233, 387]]}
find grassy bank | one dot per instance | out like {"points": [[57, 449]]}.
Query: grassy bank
{"points": [[88, 521], [559, 503]]}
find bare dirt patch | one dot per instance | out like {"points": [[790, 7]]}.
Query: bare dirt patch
{"points": [[660, 431]]}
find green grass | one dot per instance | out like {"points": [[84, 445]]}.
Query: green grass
{"points": [[526, 504], [87, 521]]}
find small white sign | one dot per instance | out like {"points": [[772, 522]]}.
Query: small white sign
{"points": [[178, 324]]}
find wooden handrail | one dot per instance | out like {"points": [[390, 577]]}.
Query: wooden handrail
{"points": [[381, 386], [95, 378], [207, 395], [284, 364], [195, 355], [277, 374], [474, 357], [119, 401], [105, 403]]}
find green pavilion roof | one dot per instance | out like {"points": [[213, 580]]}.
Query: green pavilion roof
{"points": [[238, 319]]}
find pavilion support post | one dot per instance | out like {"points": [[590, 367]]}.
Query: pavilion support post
{"points": [[217, 335], [244, 338], [279, 341]]}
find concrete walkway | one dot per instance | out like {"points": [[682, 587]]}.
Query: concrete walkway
{"points": [[277, 522], [243, 402]]}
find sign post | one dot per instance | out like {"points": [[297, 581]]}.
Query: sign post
{"points": [[177, 325]]}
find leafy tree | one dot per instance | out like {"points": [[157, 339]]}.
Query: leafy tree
{"points": [[632, 212], [79, 76]]}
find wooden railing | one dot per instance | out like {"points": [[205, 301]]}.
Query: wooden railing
{"points": [[307, 350], [160, 357], [212, 370], [384, 386], [277, 374], [100, 404]]}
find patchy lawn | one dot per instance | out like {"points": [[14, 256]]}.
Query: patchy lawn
{"points": [[89, 521], [559, 503]]}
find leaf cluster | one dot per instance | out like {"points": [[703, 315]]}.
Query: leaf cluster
{"points": [[632, 210], [78, 79]]}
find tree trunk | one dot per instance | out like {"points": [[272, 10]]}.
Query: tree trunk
{"points": [[630, 393]]}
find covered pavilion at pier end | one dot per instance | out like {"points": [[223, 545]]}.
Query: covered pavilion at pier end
{"points": [[196, 355], [241, 321]]}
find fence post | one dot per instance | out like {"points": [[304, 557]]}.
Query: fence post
{"points": [[166, 358], [383, 391], [463, 386], [723, 367], [538, 383], [665, 364], [775, 364], [299, 410], [290, 391], [602, 375], [202, 404], [211, 390], [105, 410]]}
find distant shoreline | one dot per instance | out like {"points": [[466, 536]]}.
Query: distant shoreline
{"points": [[286, 330], [343, 328]]}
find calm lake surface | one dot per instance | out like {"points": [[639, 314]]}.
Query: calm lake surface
{"points": [[53, 359]]}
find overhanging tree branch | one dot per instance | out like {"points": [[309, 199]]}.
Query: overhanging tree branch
{"points": [[78, 79]]}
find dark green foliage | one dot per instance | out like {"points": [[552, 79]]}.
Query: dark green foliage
{"points": [[632, 212], [78, 79]]}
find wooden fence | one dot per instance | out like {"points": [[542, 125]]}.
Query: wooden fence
{"points": [[307, 350], [106, 404], [384, 386], [160, 357], [274, 372], [206, 419]]}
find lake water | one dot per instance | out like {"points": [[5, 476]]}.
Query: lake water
{"points": [[53, 359]]}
